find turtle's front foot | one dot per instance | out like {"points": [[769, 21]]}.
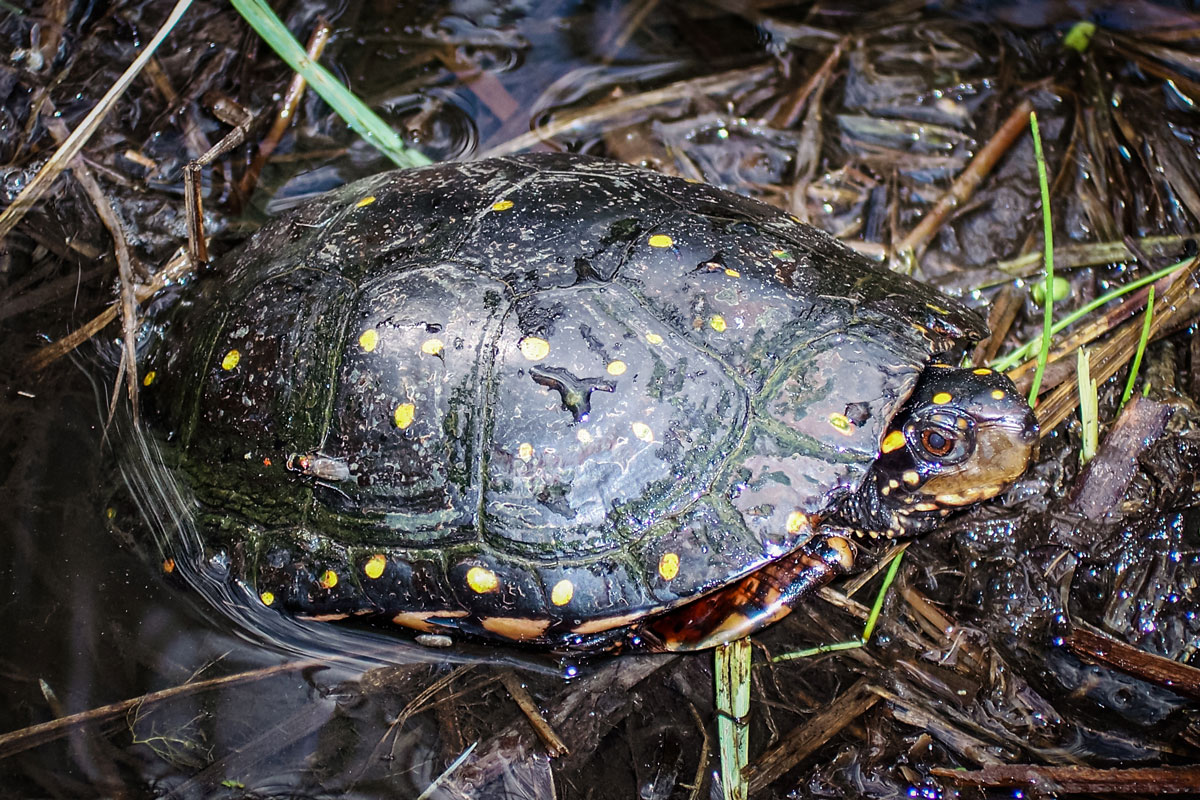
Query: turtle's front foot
{"points": [[752, 603]]}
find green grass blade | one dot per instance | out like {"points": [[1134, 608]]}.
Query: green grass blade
{"points": [[1141, 349], [731, 671], [355, 112], [868, 629], [1022, 352], [1048, 250], [1089, 407]]}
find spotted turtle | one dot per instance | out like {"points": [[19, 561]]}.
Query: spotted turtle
{"points": [[562, 401]]}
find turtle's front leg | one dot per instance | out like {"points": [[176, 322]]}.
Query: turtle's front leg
{"points": [[752, 603]]}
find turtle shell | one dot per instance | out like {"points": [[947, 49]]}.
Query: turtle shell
{"points": [[531, 398]]}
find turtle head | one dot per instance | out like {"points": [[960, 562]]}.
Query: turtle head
{"points": [[964, 436]]}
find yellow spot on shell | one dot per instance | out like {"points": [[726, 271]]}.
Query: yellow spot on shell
{"points": [[654, 338], [268, 598], [796, 522], [783, 255], [642, 431], [230, 360], [911, 477], [717, 323], [525, 451], [482, 580], [616, 368], [661, 240], [733, 273], [982, 371], [533, 348], [404, 415], [892, 442], [941, 398], [168, 565], [366, 201], [937, 308], [432, 347], [369, 339], [583, 436], [502, 205], [374, 566], [841, 423], [668, 566], [997, 394], [562, 592], [328, 580], [149, 379]]}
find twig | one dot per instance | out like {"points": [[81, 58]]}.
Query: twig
{"points": [[911, 247], [1081, 780], [554, 745], [287, 109], [35, 735], [710, 84], [79, 137], [128, 301], [1174, 675], [803, 741]]}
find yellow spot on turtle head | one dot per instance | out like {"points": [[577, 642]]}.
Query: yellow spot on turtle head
{"points": [[654, 338], [938, 309], [328, 579], [982, 371], [892, 442], [661, 240], [941, 398], [533, 348], [432, 347], [616, 368], [374, 566], [149, 379], [525, 451], [482, 580], [997, 394], [783, 255], [668, 566], [796, 522], [733, 273], [583, 436], [502, 205], [911, 477], [841, 423], [365, 201], [404, 415], [562, 592], [230, 360], [268, 598], [642, 431], [168, 565], [369, 339], [717, 323]]}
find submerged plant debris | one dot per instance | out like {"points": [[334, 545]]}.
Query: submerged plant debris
{"points": [[1045, 642]]}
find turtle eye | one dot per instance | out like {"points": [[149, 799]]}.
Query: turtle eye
{"points": [[940, 441], [936, 443]]}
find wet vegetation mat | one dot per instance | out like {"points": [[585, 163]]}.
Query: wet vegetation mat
{"points": [[1042, 644]]}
